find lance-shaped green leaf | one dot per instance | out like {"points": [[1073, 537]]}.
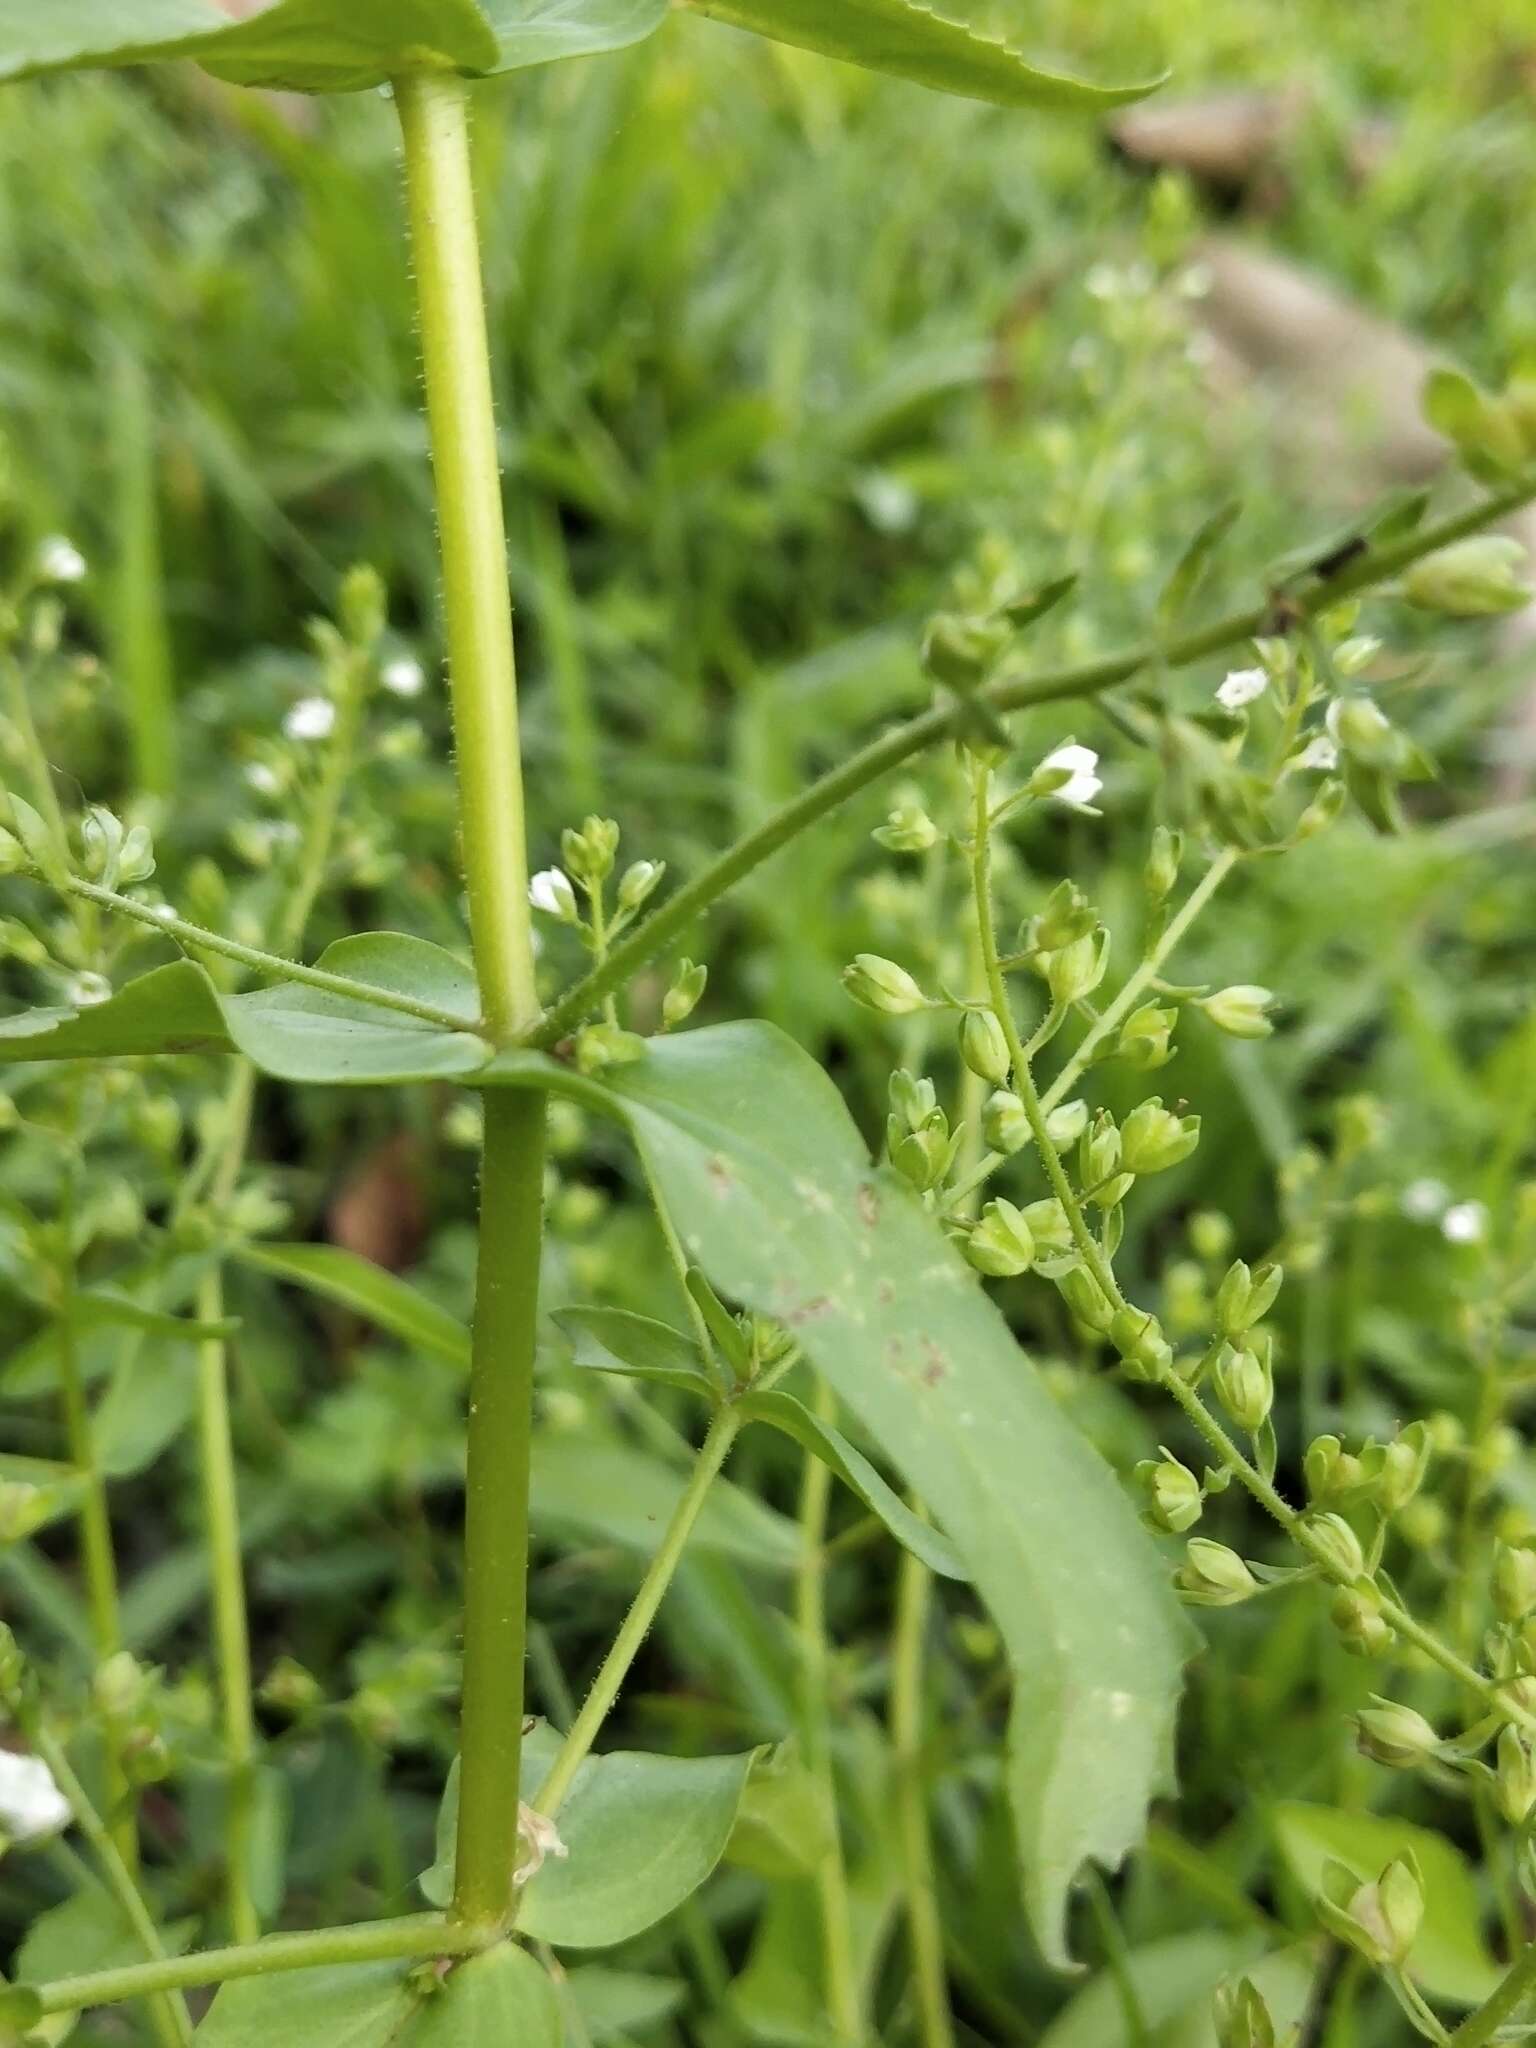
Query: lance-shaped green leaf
{"points": [[382, 1298], [638, 1347], [774, 1197], [911, 41], [293, 1030], [784, 1412]]}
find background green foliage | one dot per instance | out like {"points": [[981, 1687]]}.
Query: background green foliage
{"points": [[778, 345]]}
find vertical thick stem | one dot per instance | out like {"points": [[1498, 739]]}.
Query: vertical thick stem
{"points": [[496, 1503], [925, 1930], [477, 607]]}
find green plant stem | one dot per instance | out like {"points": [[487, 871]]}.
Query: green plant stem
{"points": [[842, 1988], [1519, 1983], [914, 1588], [477, 608], [597, 1706], [1115, 1013], [272, 966], [1008, 694], [1229, 1457], [171, 2019], [423, 1935]]}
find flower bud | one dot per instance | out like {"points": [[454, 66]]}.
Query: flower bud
{"points": [[1213, 1576], [1065, 1124], [1099, 1151], [1244, 1387], [923, 1157], [1397, 1469], [638, 881], [1172, 1492], [1242, 2018], [1324, 809], [1356, 1614], [1241, 1011], [1052, 1232], [120, 1686], [1001, 1243], [1162, 869], [1334, 1544], [682, 998], [590, 852], [1471, 579], [1067, 917], [1514, 1581], [1004, 1124], [958, 652], [984, 1046], [1153, 1138], [912, 1100], [1086, 1300], [1210, 1234], [1515, 1776], [881, 985], [1146, 1035], [1331, 1472], [907, 829], [1380, 1921], [1394, 1735], [605, 1045], [1076, 970], [1138, 1337], [1245, 1297]]}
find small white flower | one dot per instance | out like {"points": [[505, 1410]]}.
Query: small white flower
{"points": [[551, 891], [1070, 774], [1465, 1223], [1321, 753], [403, 677], [263, 778], [1241, 686], [60, 561], [1426, 1200], [312, 718], [31, 1804], [541, 1838]]}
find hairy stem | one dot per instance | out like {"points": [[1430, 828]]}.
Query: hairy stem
{"points": [[171, 2019], [272, 966], [423, 1935], [477, 608], [626, 1644], [1518, 1985], [1371, 566]]}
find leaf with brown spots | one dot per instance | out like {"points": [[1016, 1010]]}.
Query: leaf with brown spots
{"points": [[900, 1328]]}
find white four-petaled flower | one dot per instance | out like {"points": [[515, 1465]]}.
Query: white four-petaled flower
{"points": [[31, 1804], [1072, 773], [312, 718], [1321, 752], [551, 891], [1241, 686]]}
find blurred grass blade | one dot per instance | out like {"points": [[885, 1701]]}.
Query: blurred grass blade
{"points": [[381, 1297], [140, 637], [913, 42]]}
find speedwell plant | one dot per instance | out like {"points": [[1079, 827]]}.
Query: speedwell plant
{"points": [[801, 1261]]}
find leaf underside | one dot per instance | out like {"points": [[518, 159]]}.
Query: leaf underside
{"points": [[913, 42], [774, 1197], [500, 1997], [339, 46]]}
